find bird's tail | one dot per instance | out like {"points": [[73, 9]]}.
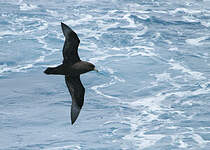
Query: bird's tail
{"points": [[50, 70], [59, 70]]}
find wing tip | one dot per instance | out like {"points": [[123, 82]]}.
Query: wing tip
{"points": [[75, 110], [66, 29]]}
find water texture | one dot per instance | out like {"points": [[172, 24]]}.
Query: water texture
{"points": [[153, 89]]}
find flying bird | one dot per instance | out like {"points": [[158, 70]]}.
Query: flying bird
{"points": [[71, 68]]}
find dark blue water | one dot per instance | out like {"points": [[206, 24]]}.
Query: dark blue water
{"points": [[152, 91]]}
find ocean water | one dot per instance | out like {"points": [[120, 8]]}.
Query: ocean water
{"points": [[152, 91]]}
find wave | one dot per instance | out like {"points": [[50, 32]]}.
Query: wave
{"points": [[67, 147], [152, 109], [24, 6], [185, 10], [196, 41], [114, 79], [194, 74], [19, 68]]}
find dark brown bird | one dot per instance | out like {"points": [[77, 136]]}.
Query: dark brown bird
{"points": [[72, 67]]}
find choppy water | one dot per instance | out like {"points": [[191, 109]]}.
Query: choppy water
{"points": [[153, 89]]}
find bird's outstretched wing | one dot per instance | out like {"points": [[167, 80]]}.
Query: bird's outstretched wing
{"points": [[70, 48], [77, 92]]}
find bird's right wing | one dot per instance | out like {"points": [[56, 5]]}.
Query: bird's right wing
{"points": [[70, 48], [77, 92]]}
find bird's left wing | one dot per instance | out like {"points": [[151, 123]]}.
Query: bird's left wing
{"points": [[70, 48], [77, 92]]}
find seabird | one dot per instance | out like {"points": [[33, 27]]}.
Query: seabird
{"points": [[72, 67]]}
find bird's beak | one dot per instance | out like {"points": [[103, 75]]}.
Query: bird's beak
{"points": [[95, 69]]}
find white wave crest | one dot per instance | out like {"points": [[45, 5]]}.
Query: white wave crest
{"points": [[205, 23], [190, 11], [105, 56], [24, 6], [45, 44], [8, 32], [194, 74], [19, 68], [96, 89], [142, 50], [196, 41], [67, 147]]}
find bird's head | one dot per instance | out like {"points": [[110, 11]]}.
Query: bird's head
{"points": [[92, 67]]}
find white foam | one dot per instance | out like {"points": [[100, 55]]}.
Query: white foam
{"points": [[206, 24], [160, 11], [110, 70], [112, 82], [190, 19], [83, 18], [118, 79], [143, 16], [96, 89], [24, 6], [163, 77], [190, 11], [196, 41], [41, 40], [105, 27], [40, 59], [147, 51], [168, 41], [54, 65], [137, 136], [19, 68], [194, 74], [105, 56], [109, 122], [142, 32], [148, 140], [151, 103], [180, 140], [90, 47], [199, 140], [52, 12], [143, 47], [116, 48], [189, 93], [173, 49], [8, 32], [41, 24], [201, 91], [131, 22], [183, 94], [23, 67], [44, 26], [183, 144], [67, 147], [191, 102]]}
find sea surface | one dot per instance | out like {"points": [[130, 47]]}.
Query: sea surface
{"points": [[152, 91]]}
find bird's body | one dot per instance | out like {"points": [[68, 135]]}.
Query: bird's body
{"points": [[72, 67], [76, 69]]}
